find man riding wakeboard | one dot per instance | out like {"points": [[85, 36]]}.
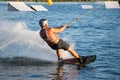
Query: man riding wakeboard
{"points": [[49, 35]]}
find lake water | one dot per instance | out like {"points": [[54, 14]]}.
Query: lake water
{"points": [[25, 56]]}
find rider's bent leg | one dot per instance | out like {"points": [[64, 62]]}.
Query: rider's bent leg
{"points": [[75, 54]]}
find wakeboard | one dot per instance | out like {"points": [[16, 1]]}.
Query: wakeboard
{"points": [[87, 60]]}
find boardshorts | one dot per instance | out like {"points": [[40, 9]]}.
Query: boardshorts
{"points": [[61, 45]]}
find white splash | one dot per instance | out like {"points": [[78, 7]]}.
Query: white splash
{"points": [[17, 40]]}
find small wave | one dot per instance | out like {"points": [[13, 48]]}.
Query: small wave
{"points": [[23, 61]]}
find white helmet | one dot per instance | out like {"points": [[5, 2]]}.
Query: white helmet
{"points": [[43, 21]]}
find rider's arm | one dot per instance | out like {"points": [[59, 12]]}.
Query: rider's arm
{"points": [[59, 29]]}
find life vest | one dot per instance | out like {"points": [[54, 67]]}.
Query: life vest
{"points": [[48, 36]]}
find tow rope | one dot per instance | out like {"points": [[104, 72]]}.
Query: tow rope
{"points": [[79, 17]]}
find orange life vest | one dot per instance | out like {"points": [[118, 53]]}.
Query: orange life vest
{"points": [[48, 36]]}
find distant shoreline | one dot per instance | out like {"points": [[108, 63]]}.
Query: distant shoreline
{"points": [[58, 0]]}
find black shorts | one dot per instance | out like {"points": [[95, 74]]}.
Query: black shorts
{"points": [[61, 45]]}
